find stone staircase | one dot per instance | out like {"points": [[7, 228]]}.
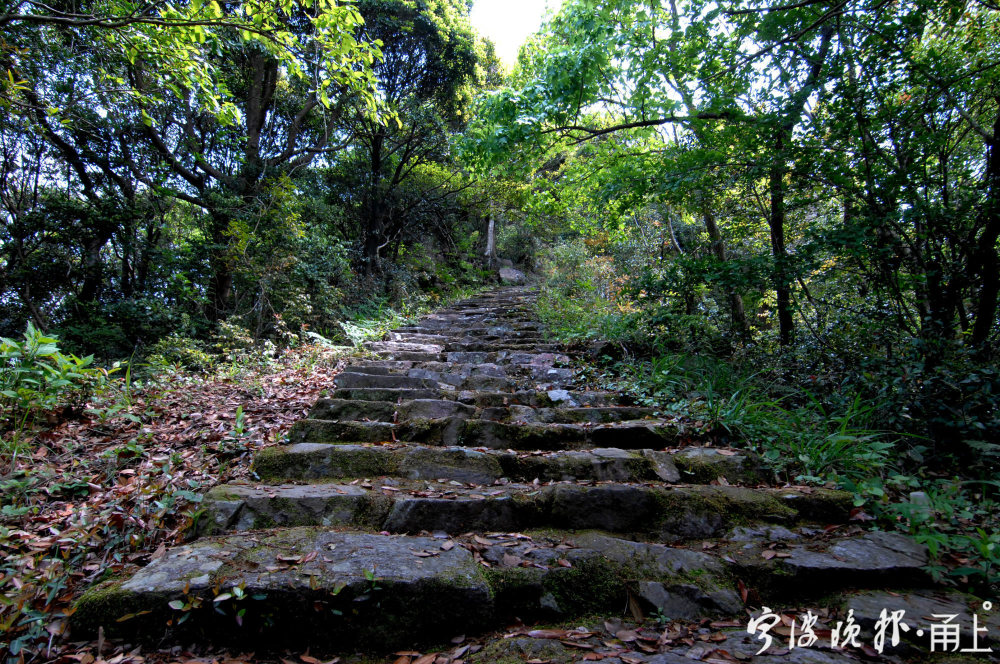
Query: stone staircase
{"points": [[461, 481]]}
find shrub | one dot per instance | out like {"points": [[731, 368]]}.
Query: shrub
{"points": [[36, 378]]}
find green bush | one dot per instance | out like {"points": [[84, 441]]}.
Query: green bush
{"points": [[36, 378], [177, 350]]}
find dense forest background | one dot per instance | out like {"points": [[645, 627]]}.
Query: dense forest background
{"points": [[266, 166], [781, 219]]}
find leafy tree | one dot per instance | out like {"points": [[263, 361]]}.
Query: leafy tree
{"points": [[205, 103], [432, 63]]}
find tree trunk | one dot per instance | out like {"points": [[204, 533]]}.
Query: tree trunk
{"points": [[93, 269], [220, 288], [776, 221], [985, 261], [737, 314]]}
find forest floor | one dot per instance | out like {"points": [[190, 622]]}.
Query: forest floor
{"points": [[107, 489]]}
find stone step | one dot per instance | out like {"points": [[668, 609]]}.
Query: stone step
{"points": [[399, 346], [462, 381], [567, 415], [540, 359], [666, 513], [412, 356], [377, 377], [348, 590], [542, 399], [511, 345], [460, 430], [300, 588], [315, 461], [353, 380], [388, 411], [392, 395], [321, 461], [418, 338], [366, 410]]}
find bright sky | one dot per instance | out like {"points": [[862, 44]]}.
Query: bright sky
{"points": [[509, 22]]}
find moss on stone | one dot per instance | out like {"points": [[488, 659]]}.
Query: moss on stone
{"points": [[331, 461], [704, 469], [271, 462], [518, 650], [591, 585]]}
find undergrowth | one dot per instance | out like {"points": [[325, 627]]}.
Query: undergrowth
{"points": [[810, 427]]}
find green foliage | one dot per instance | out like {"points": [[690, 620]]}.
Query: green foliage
{"points": [[957, 520], [181, 351], [35, 377]]}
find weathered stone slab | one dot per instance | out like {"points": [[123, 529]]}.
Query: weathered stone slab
{"points": [[632, 435], [418, 337], [704, 464], [400, 346], [238, 507], [353, 409], [412, 356], [458, 464], [672, 514], [505, 513], [877, 555], [662, 465], [593, 415], [350, 380], [335, 431], [314, 461], [500, 435], [329, 591], [432, 409], [598, 464], [386, 394]]}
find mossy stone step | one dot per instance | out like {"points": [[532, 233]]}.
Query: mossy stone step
{"points": [[600, 415], [459, 430], [390, 394], [642, 434], [372, 591], [542, 399], [354, 380], [418, 337], [512, 345], [317, 461], [400, 346], [302, 588], [385, 411], [663, 512]]}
